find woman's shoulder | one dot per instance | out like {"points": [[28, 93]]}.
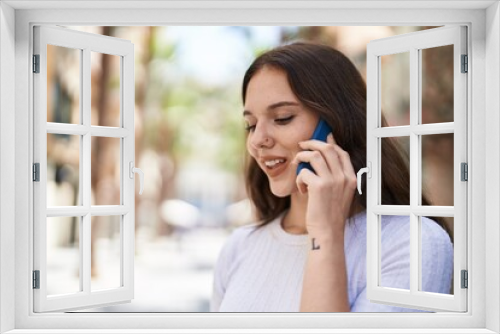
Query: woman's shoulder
{"points": [[435, 239], [242, 233], [240, 236]]}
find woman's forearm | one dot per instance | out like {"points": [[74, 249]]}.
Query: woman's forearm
{"points": [[325, 279]]}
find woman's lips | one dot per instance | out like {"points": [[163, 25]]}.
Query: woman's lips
{"points": [[276, 169]]}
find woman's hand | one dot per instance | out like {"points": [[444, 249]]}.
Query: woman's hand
{"points": [[330, 193], [331, 190]]}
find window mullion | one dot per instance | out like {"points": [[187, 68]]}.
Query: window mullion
{"points": [[421, 210], [67, 129], [414, 168], [103, 131], [66, 211], [86, 171], [419, 129], [432, 129], [127, 196], [109, 210]]}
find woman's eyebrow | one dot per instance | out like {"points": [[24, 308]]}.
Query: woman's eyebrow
{"points": [[275, 106], [282, 104]]}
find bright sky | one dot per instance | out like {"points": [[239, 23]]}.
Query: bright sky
{"points": [[214, 54]]}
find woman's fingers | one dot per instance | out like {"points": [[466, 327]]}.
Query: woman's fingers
{"points": [[345, 160], [316, 160], [327, 150], [304, 180], [337, 160]]}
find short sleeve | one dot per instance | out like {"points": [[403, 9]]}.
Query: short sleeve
{"points": [[395, 264], [437, 255], [437, 258], [437, 262]]}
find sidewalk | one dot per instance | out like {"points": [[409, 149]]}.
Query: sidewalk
{"points": [[172, 274]]}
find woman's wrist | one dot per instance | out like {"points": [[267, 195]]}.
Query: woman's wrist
{"points": [[331, 233], [330, 240]]}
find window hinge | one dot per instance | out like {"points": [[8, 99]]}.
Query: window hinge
{"points": [[36, 63], [465, 171], [465, 64], [36, 172], [36, 279], [465, 279]]}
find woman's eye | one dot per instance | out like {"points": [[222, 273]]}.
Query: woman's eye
{"points": [[249, 128], [284, 120]]}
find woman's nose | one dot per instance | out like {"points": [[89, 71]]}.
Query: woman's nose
{"points": [[261, 138]]}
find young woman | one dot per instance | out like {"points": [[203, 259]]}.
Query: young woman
{"points": [[307, 252]]}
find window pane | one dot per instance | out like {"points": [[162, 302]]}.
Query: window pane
{"points": [[437, 84], [436, 254], [437, 169], [395, 88], [106, 252], [106, 171], [63, 170], [395, 170], [395, 252], [105, 89], [63, 255], [63, 84]]}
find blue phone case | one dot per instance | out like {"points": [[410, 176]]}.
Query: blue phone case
{"points": [[320, 133]]}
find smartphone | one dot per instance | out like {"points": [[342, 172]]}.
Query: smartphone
{"points": [[320, 133]]}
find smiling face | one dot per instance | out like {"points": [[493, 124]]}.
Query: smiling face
{"points": [[276, 123]]}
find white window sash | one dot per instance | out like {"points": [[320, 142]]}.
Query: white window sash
{"points": [[412, 43], [86, 43]]}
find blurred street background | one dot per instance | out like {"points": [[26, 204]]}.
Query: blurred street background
{"points": [[189, 134]]}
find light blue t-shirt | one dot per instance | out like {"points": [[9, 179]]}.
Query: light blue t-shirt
{"points": [[261, 269]]}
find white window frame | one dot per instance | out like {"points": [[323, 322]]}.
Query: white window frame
{"points": [[483, 21]]}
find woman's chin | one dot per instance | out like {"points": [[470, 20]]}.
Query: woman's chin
{"points": [[283, 191]]}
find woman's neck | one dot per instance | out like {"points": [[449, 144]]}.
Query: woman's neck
{"points": [[294, 221]]}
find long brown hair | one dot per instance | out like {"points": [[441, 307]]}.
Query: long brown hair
{"points": [[327, 82]]}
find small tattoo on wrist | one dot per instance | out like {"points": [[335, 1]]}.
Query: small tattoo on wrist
{"points": [[314, 246]]}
